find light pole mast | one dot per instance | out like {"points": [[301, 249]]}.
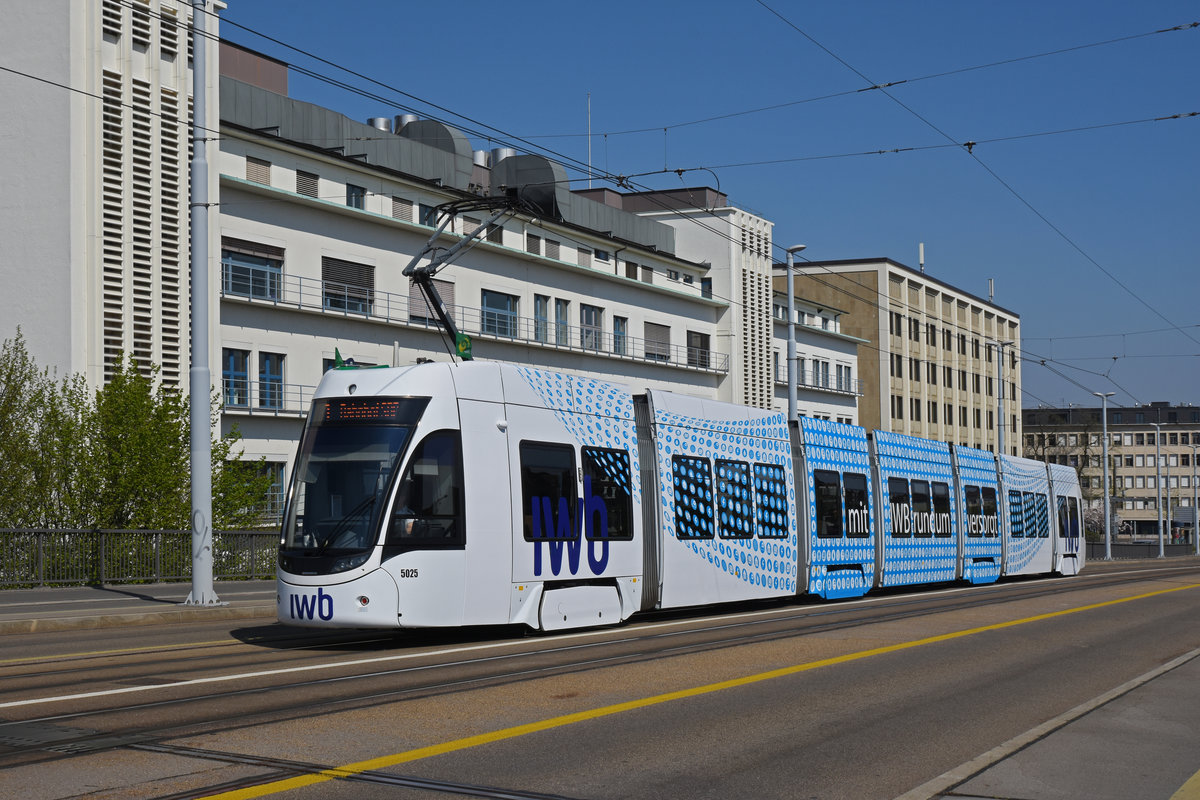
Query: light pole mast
{"points": [[1158, 484], [1107, 514], [791, 342]]}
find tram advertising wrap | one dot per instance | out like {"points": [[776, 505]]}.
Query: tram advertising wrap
{"points": [[484, 493]]}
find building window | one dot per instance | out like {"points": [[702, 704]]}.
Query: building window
{"points": [[647, 273], [843, 378], [356, 196], [306, 183], [499, 313], [249, 269], [657, 342], [697, 349], [562, 322], [584, 257], [620, 335], [270, 380], [533, 244], [631, 270], [495, 234], [553, 249], [591, 326], [347, 286], [706, 293], [258, 170], [541, 317], [235, 375]]}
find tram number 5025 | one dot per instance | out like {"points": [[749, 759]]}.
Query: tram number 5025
{"points": [[408, 573]]}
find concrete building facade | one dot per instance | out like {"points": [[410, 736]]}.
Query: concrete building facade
{"points": [[1152, 453], [931, 360]]}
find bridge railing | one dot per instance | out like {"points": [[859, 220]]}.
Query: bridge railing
{"points": [[32, 557]]}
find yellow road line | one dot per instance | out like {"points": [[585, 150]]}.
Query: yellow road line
{"points": [[382, 762], [1190, 790]]}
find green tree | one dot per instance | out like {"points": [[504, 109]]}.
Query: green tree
{"points": [[42, 442], [115, 458]]}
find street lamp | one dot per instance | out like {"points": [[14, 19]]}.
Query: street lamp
{"points": [[1107, 516], [791, 342], [1195, 498], [1158, 484]]}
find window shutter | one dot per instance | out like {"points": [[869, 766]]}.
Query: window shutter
{"points": [[258, 170], [417, 305], [348, 273], [306, 183], [252, 248]]}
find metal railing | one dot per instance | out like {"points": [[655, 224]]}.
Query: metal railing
{"points": [[819, 379], [294, 291], [42, 557], [265, 397]]}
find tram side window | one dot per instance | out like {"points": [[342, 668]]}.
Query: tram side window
{"points": [[1041, 505], [941, 509], [1016, 515], [770, 501], [428, 511], [828, 485], [1029, 523], [1073, 517], [974, 511], [693, 497], [607, 496], [548, 491], [858, 513], [922, 509], [989, 512], [735, 512], [901, 513]]}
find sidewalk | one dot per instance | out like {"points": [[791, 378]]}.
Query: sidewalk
{"points": [[80, 607], [1137, 741]]}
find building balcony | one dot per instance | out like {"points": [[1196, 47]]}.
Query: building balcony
{"points": [[822, 381], [296, 292], [243, 396]]}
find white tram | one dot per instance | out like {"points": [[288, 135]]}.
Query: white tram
{"points": [[486, 493]]}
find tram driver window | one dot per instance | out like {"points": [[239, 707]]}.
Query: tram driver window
{"points": [[828, 485], [428, 511]]}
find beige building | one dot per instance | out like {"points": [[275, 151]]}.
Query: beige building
{"points": [[930, 362], [1152, 460]]}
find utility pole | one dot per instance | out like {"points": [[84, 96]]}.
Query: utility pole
{"points": [[202, 593], [1107, 514], [1002, 423], [792, 377]]}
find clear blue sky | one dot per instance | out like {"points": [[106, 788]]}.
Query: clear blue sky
{"points": [[1125, 199]]}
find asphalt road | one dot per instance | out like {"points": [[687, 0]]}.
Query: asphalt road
{"points": [[865, 699]]}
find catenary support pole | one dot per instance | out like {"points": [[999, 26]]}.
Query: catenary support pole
{"points": [[202, 593], [792, 375], [1107, 490]]}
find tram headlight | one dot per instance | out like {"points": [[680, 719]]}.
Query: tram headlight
{"points": [[350, 562]]}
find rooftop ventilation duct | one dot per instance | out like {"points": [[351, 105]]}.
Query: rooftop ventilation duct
{"points": [[482, 158], [402, 120], [380, 123], [537, 181]]}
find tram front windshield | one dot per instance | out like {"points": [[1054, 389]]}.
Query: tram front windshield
{"points": [[343, 472]]}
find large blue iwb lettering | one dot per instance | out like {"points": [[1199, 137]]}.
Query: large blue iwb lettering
{"points": [[557, 530], [305, 606]]}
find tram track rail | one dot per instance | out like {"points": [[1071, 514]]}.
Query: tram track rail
{"points": [[65, 735]]}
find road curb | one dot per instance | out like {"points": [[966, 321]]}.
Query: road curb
{"points": [[163, 617]]}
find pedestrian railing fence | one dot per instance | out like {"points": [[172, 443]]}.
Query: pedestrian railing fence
{"points": [[44, 557]]}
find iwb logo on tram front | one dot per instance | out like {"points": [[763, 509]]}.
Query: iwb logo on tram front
{"points": [[558, 530], [305, 606]]}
